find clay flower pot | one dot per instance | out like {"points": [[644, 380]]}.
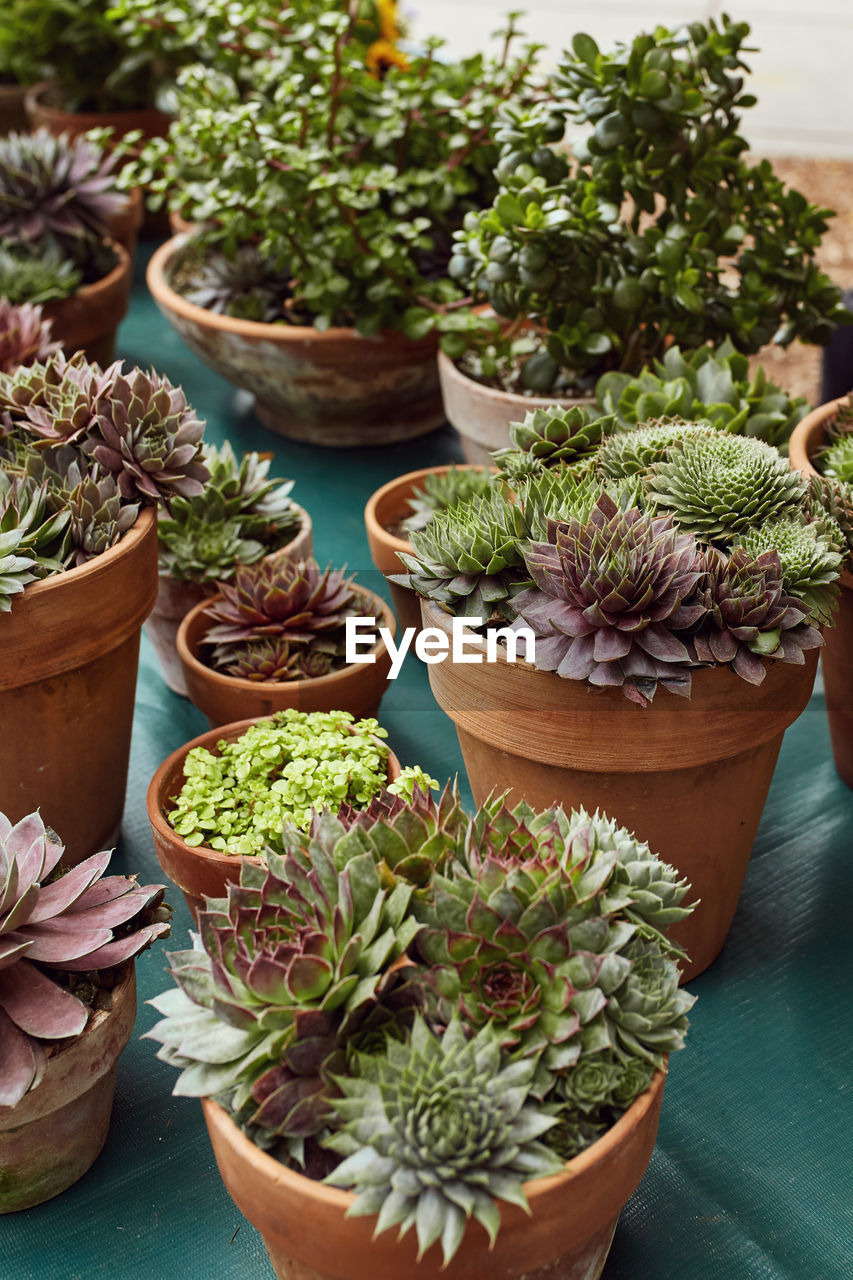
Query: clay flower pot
{"points": [[482, 415], [88, 320], [124, 225], [43, 104], [328, 388], [68, 658], [175, 599], [13, 112], [198, 871], [567, 1235], [357, 688], [837, 653], [56, 1132], [689, 776], [385, 509]]}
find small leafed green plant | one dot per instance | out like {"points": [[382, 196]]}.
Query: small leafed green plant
{"points": [[238, 798], [63, 937], [432, 1008]]}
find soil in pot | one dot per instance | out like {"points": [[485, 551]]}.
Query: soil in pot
{"points": [[89, 319], [837, 653], [567, 1235], [175, 599], [198, 870], [57, 1130], [357, 688], [68, 658], [690, 777], [328, 388]]}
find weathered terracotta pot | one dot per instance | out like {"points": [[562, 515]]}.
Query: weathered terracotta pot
{"points": [[690, 777], [385, 509], [43, 100], [357, 688], [482, 415], [13, 112], [328, 388], [199, 872], [175, 599], [89, 319], [68, 658], [837, 653], [56, 1132], [566, 1236]]}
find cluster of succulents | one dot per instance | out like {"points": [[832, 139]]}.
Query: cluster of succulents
{"points": [[552, 437], [241, 515], [237, 798], [443, 489], [61, 937], [280, 619], [431, 1008], [81, 448], [665, 547], [25, 334], [57, 196]]}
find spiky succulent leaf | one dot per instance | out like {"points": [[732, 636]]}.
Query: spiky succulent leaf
{"points": [[203, 547], [632, 452], [551, 437], [98, 516], [562, 494], [24, 335], [443, 489], [810, 561], [609, 597], [16, 570], [435, 1130], [246, 286], [56, 402], [830, 507], [31, 276], [837, 460], [26, 508], [274, 659], [719, 485], [76, 922]]}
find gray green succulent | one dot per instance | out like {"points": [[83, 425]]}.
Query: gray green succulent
{"points": [[633, 451], [442, 489], [247, 286], [836, 460], [810, 560], [552, 437], [33, 535], [30, 276]]}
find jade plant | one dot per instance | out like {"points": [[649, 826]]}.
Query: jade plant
{"points": [[430, 1008], [343, 177], [241, 515], [81, 450], [672, 546], [657, 228], [64, 936], [237, 799]]}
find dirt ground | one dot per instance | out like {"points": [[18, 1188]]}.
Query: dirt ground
{"points": [[828, 183]]}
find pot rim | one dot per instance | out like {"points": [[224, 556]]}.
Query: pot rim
{"points": [[409, 478], [87, 292], [237, 683], [217, 1118], [280, 334], [156, 786], [33, 100]]}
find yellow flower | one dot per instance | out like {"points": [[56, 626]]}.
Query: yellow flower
{"points": [[386, 11], [383, 54]]}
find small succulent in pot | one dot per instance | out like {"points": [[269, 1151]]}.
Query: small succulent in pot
{"points": [[456, 1003], [441, 490], [24, 335], [60, 936], [88, 446]]}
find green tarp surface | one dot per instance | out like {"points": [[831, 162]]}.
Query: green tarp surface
{"points": [[752, 1176]]}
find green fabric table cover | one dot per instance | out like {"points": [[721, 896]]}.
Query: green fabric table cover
{"points": [[752, 1176]]}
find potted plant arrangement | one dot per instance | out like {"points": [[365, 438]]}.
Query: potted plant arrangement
{"points": [[321, 246], [240, 516], [822, 448], [275, 637], [65, 234], [67, 1005], [86, 457], [670, 559], [599, 260], [226, 795], [439, 1038], [408, 503]]}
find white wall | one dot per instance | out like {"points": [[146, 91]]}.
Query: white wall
{"points": [[802, 76]]}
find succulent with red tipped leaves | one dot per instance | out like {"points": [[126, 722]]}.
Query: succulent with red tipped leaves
{"points": [[750, 616], [52, 926], [24, 336], [610, 595]]}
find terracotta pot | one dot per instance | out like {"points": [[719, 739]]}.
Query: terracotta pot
{"points": [[68, 657], [385, 509], [124, 225], [329, 388], [357, 688], [690, 777], [566, 1236], [482, 415], [837, 653], [42, 101], [88, 320], [175, 599], [56, 1132], [198, 871], [13, 112]]}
